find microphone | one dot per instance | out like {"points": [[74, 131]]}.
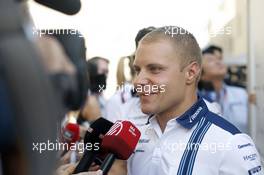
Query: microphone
{"points": [[120, 141], [71, 133], [94, 135], [69, 7]]}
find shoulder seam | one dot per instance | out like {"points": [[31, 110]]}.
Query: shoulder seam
{"points": [[222, 123]]}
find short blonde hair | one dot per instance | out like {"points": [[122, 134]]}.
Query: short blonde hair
{"points": [[186, 46]]}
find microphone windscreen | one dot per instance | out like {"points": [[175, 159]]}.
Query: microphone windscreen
{"points": [[71, 133], [69, 7], [99, 127], [121, 139]]}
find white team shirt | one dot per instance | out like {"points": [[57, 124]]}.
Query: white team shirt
{"points": [[197, 143]]}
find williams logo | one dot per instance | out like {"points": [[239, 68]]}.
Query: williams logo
{"points": [[192, 117]]}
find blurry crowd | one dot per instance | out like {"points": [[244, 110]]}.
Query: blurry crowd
{"points": [[47, 83]]}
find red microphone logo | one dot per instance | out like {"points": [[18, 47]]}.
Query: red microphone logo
{"points": [[115, 129]]}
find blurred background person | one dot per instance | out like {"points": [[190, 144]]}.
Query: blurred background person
{"points": [[94, 106], [233, 100], [98, 72]]}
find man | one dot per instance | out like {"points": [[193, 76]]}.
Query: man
{"points": [[94, 106], [232, 100], [125, 105], [182, 136], [217, 51], [98, 70]]}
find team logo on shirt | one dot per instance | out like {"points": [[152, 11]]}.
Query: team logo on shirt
{"points": [[192, 117], [254, 170], [250, 157], [244, 145]]}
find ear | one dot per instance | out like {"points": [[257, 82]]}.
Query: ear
{"points": [[192, 72]]}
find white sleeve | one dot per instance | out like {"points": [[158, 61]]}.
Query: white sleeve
{"points": [[113, 107], [241, 158]]}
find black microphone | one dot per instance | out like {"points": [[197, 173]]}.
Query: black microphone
{"points": [[69, 7], [99, 127]]}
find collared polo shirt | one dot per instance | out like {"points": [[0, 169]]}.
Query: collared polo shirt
{"points": [[197, 143]]}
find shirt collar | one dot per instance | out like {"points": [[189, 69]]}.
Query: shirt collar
{"points": [[192, 115], [150, 116]]}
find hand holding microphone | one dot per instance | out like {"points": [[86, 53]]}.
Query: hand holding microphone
{"points": [[72, 133], [69, 168]]}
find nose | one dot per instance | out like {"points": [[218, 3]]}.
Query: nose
{"points": [[141, 79], [220, 62]]}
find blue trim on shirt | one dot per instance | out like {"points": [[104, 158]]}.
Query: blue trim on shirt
{"points": [[194, 153], [188, 159], [183, 159], [222, 123], [192, 147], [193, 115]]}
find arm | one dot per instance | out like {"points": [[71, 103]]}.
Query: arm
{"points": [[119, 168], [91, 110], [241, 157]]}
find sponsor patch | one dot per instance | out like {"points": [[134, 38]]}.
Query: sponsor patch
{"points": [[250, 157], [244, 145], [254, 170], [192, 117]]}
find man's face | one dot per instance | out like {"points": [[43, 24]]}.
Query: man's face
{"points": [[213, 67], [218, 54], [157, 65]]}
